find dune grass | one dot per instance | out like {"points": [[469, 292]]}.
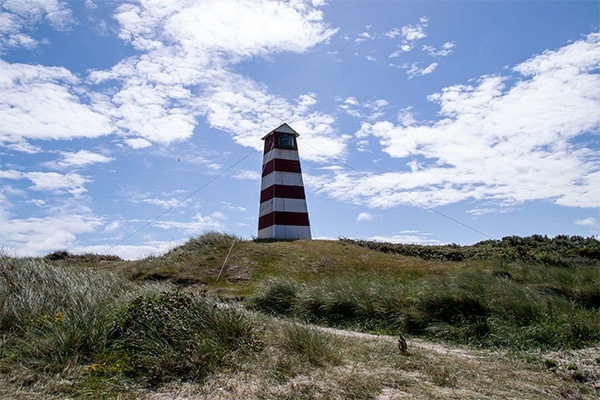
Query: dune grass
{"points": [[477, 307], [165, 325], [53, 316], [57, 320]]}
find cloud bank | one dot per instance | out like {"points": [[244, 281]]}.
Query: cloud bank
{"points": [[507, 139]]}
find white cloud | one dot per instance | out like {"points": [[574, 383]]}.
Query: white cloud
{"points": [[22, 146], [244, 109], [81, 159], [428, 69], [446, 50], [50, 181], [224, 28], [247, 175], [409, 237], [230, 206], [479, 211], [362, 37], [497, 142], [11, 174], [18, 18], [37, 236], [130, 252], [138, 143], [183, 73], [199, 223], [413, 32], [393, 33], [414, 69], [38, 102], [163, 200], [370, 110], [57, 183], [365, 216], [591, 221], [410, 34]]}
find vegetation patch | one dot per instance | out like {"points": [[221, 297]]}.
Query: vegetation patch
{"points": [[176, 336], [503, 323], [562, 250], [475, 306]]}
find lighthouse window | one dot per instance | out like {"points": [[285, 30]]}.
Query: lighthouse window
{"points": [[286, 142]]}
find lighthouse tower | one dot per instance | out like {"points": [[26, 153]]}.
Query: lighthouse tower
{"points": [[283, 211]]}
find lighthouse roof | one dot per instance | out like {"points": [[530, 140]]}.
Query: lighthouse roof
{"points": [[283, 128]]}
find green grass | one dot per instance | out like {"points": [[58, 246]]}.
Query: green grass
{"points": [[99, 327], [53, 316], [476, 307], [57, 320], [176, 335]]}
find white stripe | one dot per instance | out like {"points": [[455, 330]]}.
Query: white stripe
{"points": [[281, 178], [279, 204], [285, 232], [281, 154]]}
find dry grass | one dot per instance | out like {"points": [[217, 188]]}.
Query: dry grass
{"points": [[294, 361], [357, 366]]}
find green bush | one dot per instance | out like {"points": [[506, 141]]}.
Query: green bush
{"points": [[175, 335], [564, 251]]}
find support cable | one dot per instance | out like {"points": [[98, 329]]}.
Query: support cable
{"points": [[179, 202], [226, 257], [343, 163]]}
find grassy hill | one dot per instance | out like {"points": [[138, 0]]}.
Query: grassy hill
{"points": [[220, 317]]}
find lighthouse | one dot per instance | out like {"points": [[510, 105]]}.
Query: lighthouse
{"points": [[283, 211]]}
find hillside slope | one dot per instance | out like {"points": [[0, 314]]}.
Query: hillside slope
{"points": [[220, 317]]}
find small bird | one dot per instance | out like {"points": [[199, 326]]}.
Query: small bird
{"points": [[402, 346]]}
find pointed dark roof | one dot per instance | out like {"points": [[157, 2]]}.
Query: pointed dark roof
{"points": [[283, 128]]}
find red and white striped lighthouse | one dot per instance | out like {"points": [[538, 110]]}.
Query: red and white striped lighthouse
{"points": [[283, 211]]}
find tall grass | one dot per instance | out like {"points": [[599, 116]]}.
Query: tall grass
{"points": [[54, 319], [56, 315], [310, 343], [510, 306]]}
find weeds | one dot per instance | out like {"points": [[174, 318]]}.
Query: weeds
{"points": [[277, 297]]}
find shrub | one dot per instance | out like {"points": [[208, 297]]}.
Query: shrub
{"points": [[175, 335], [564, 251]]}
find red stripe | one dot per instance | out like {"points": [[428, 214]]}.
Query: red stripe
{"points": [[283, 218], [282, 191], [281, 165]]}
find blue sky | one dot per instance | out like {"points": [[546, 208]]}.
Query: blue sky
{"points": [[127, 127]]}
